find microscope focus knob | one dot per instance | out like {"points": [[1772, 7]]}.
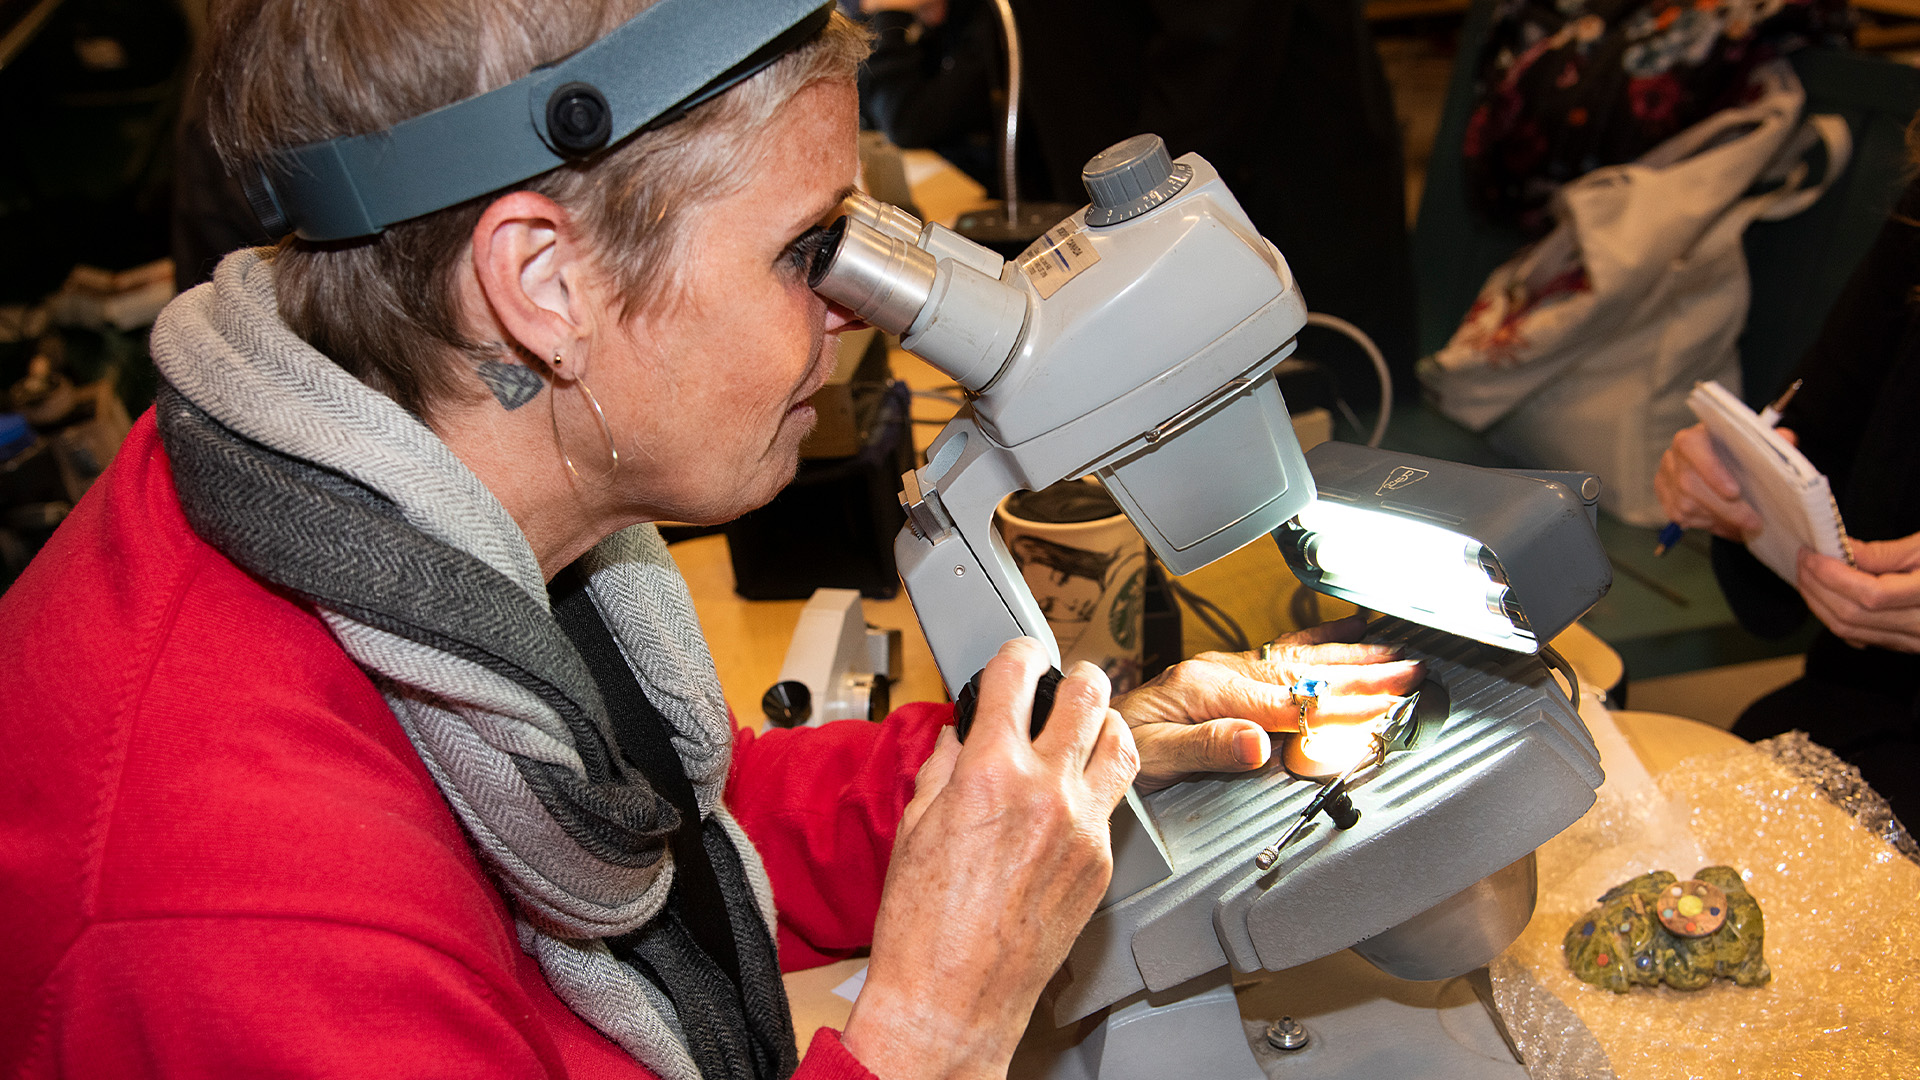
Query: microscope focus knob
{"points": [[968, 700], [787, 704], [1130, 178]]}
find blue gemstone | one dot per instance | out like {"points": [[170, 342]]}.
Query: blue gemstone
{"points": [[1587, 930], [1643, 962]]}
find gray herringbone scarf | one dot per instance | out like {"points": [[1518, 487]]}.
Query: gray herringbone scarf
{"points": [[306, 477]]}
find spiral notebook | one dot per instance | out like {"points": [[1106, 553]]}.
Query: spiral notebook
{"points": [[1796, 506]]}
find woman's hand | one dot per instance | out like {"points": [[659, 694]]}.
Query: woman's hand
{"points": [[1000, 859], [1875, 602], [1212, 713], [1698, 491]]}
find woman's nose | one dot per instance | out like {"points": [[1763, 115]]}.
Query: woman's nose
{"points": [[842, 320]]}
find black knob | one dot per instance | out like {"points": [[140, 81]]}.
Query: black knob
{"points": [[578, 119], [964, 705], [1340, 808], [787, 704]]}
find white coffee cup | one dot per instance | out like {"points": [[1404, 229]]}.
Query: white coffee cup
{"points": [[1088, 576]]}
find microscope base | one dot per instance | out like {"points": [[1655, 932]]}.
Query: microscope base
{"points": [[1362, 1024], [1193, 1030]]}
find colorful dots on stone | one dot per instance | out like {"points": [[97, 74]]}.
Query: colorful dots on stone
{"points": [[1693, 908]]}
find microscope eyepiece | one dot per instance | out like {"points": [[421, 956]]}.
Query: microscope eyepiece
{"points": [[882, 279], [826, 252], [939, 292]]}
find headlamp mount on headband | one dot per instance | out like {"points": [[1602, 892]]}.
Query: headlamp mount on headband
{"points": [[645, 74]]}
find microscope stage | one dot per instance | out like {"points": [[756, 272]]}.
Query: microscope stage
{"points": [[1509, 767]]}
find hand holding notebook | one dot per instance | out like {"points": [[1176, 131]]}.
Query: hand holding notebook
{"points": [[1795, 504]]}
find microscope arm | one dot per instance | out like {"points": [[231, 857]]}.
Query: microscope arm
{"points": [[953, 560]]}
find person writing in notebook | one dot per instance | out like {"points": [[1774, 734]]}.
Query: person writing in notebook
{"points": [[1853, 418]]}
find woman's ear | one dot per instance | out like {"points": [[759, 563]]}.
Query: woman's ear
{"points": [[532, 271]]}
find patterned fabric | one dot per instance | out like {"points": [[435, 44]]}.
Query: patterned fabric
{"points": [[1568, 86]]}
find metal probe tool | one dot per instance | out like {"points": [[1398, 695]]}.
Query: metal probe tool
{"points": [[1333, 798]]}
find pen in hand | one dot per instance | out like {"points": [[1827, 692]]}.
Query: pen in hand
{"points": [[1769, 417], [1669, 536]]}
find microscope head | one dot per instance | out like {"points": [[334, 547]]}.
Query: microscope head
{"points": [[1136, 340]]}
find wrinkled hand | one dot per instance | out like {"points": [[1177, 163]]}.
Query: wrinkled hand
{"points": [[1000, 859], [1698, 491], [1212, 713], [1875, 603]]}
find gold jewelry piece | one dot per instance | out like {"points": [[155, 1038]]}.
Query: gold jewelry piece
{"points": [[1305, 694], [606, 430]]}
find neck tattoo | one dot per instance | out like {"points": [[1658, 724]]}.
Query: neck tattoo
{"points": [[513, 385]]}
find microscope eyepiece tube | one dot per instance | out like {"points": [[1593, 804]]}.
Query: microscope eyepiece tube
{"points": [[885, 217], [882, 279], [946, 311]]}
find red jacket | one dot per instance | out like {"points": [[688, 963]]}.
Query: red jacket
{"points": [[220, 856]]}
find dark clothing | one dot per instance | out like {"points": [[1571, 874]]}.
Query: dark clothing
{"points": [[1854, 417], [942, 88], [1287, 99], [1564, 87], [211, 216]]}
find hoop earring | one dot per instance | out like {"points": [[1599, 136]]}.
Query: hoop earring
{"points": [[606, 430]]}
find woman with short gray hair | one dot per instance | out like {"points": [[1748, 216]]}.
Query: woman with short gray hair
{"points": [[359, 722]]}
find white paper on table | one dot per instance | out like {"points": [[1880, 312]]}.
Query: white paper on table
{"points": [[851, 988]]}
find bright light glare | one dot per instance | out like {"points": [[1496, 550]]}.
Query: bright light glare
{"points": [[1337, 748], [1410, 568]]}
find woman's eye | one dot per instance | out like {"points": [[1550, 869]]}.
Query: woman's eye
{"points": [[799, 254]]}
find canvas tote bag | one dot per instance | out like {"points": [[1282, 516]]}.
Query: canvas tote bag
{"points": [[1579, 351]]}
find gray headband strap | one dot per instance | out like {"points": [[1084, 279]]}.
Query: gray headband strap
{"points": [[648, 72]]}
